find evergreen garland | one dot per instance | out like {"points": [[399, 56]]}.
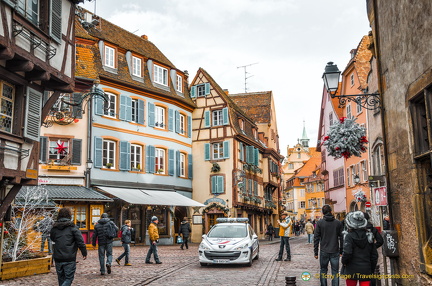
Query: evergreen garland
{"points": [[345, 139]]}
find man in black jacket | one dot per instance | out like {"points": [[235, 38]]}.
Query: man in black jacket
{"points": [[66, 239], [185, 229], [328, 237], [101, 234]]}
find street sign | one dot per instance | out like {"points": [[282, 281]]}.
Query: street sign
{"points": [[380, 196], [368, 204]]}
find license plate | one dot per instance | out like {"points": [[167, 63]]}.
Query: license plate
{"points": [[221, 260]]}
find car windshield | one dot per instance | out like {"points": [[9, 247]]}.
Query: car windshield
{"points": [[228, 231]]}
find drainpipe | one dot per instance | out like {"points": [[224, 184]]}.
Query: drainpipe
{"points": [[89, 140]]}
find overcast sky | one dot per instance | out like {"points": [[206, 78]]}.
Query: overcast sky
{"points": [[288, 43]]}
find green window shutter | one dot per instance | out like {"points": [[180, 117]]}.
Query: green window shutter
{"points": [[256, 156], [178, 163], [151, 114], [128, 109], [225, 116], [241, 151], [226, 149], [123, 107], [207, 88], [255, 185], [124, 156], [98, 145], [56, 20], [177, 121], [33, 114], [171, 162], [193, 91], [171, 119], [189, 123], [249, 154], [43, 149], [220, 184], [76, 151], [76, 110], [141, 111], [250, 186], [207, 151], [207, 118], [190, 166]]}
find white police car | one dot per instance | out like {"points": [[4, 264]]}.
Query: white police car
{"points": [[230, 241]]}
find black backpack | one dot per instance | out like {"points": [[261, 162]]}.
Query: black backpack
{"points": [[111, 230]]}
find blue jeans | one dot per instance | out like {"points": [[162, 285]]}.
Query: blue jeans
{"points": [[126, 252], [284, 243], [48, 239], [310, 237], [325, 258], [152, 249], [65, 272], [104, 249]]}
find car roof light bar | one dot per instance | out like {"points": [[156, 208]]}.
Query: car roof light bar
{"points": [[232, 219]]}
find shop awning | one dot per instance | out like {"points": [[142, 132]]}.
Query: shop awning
{"points": [[151, 197], [67, 193]]}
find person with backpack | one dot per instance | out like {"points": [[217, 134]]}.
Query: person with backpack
{"points": [[104, 232], [44, 227], [126, 238], [185, 229]]}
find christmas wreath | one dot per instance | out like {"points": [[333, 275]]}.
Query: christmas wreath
{"points": [[216, 206], [345, 139], [360, 196]]}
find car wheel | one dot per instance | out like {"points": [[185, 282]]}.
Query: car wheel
{"points": [[249, 264], [257, 255], [203, 264]]}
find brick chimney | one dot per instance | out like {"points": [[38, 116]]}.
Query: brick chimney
{"points": [[144, 37], [226, 91]]}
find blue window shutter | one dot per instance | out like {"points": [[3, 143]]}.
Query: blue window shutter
{"points": [[98, 144], [171, 162], [207, 151], [177, 121], [76, 151], [226, 149], [178, 163], [128, 109], [256, 156], [43, 149], [123, 103], [255, 188], [214, 184], [56, 20], [140, 111], [151, 114], [147, 161], [189, 123], [76, 110], [171, 119], [124, 156], [225, 116], [190, 166], [207, 88], [150, 159], [207, 118], [241, 152], [193, 91], [249, 154], [220, 184], [99, 105]]}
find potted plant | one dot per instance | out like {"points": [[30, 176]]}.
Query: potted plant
{"points": [[215, 168], [160, 171], [108, 165]]}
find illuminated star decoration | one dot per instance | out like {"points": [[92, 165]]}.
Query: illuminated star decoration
{"points": [[60, 147]]}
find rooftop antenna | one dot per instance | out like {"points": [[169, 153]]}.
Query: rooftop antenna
{"points": [[245, 72]]}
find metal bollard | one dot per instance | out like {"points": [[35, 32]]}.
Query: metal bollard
{"points": [[290, 281]]}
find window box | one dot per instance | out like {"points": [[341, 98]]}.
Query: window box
{"points": [[59, 168]]}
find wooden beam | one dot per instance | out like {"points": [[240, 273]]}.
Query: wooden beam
{"points": [[58, 86], [38, 75], [20, 65], [50, 102], [6, 53], [8, 200]]}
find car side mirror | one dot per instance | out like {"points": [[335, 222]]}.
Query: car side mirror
{"points": [[204, 236], [254, 236]]}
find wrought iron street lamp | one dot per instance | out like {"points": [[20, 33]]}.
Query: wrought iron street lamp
{"points": [[331, 76]]}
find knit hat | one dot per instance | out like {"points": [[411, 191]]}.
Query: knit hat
{"points": [[154, 218], [104, 215], [355, 220]]}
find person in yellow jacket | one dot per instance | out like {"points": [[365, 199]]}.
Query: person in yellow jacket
{"points": [[284, 233], [154, 238]]}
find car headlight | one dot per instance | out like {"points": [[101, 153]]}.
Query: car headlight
{"points": [[204, 246], [242, 247]]}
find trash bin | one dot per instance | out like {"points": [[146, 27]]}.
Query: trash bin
{"points": [[276, 234]]}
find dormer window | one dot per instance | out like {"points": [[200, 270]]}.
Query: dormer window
{"points": [[160, 75], [109, 57], [241, 122], [136, 66], [179, 83]]}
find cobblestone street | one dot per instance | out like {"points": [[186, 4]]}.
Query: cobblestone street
{"points": [[182, 268]]}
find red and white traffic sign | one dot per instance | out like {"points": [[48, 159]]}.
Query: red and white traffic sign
{"points": [[368, 204]]}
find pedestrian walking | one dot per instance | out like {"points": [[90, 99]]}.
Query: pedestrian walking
{"points": [[45, 226], [185, 230], [328, 239], [310, 231], [359, 251], [66, 238], [270, 232], [154, 239], [284, 233], [386, 223], [104, 232], [126, 239], [375, 238]]}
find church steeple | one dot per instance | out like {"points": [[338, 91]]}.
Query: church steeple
{"points": [[304, 140]]}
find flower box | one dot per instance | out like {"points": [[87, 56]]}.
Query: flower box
{"points": [[28, 267]]}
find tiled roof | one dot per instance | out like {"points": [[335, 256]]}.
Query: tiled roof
{"points": [[68, 193], [310, 166], [89, 62], [257, 105]]}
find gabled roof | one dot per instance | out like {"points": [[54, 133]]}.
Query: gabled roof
{"points": [[311, 165], [257, 105], [89, 62]]}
